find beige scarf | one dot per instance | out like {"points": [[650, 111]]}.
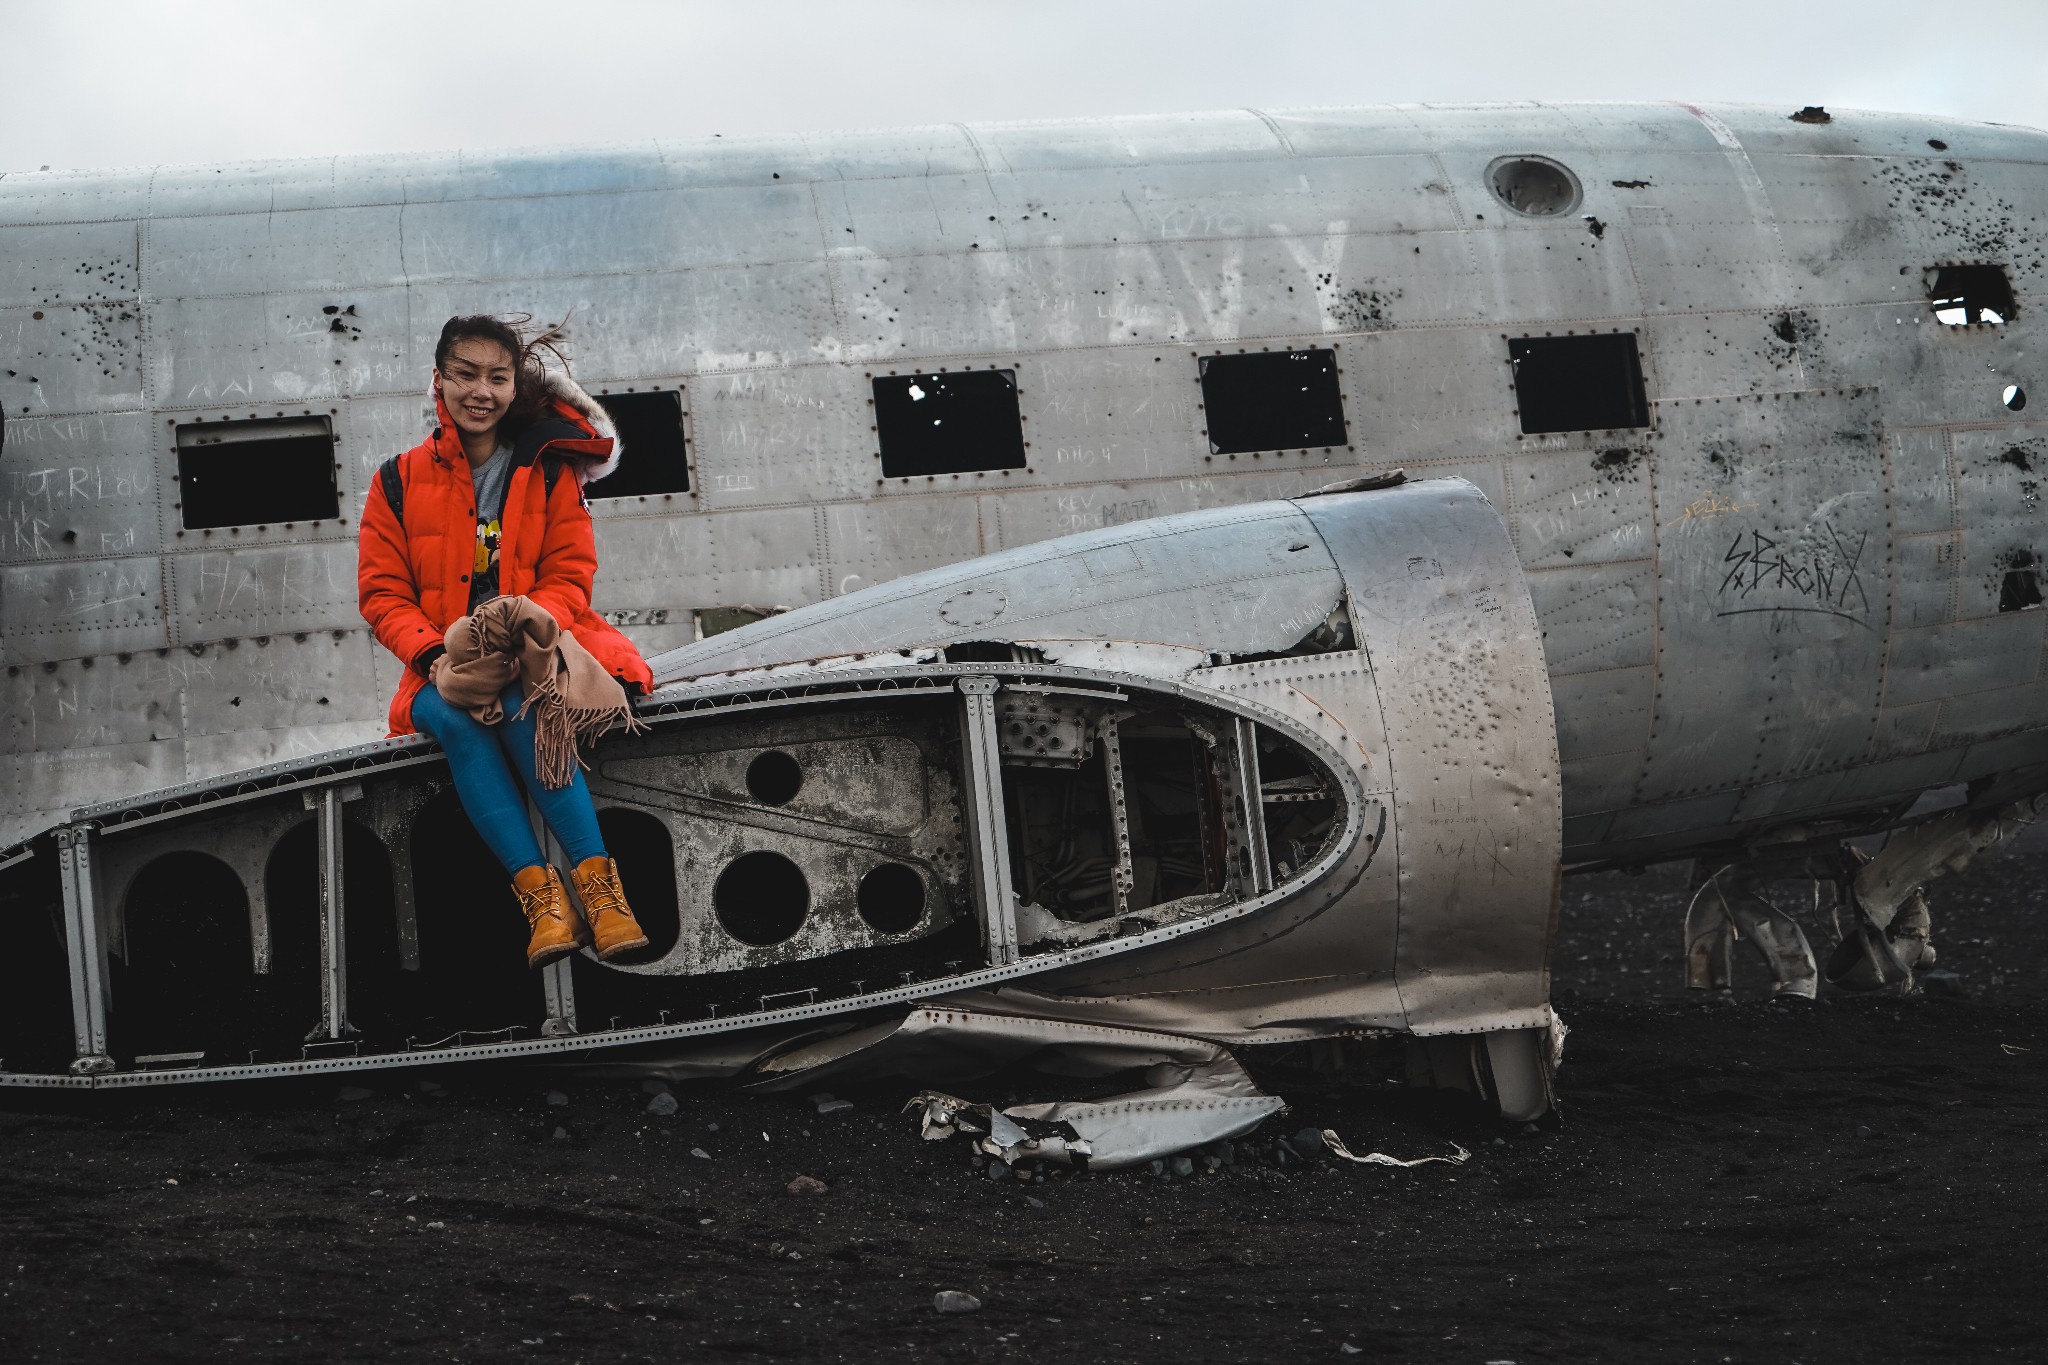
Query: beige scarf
{"points": [[576, 700]]}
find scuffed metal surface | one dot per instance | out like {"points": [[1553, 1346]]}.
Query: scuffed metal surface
{"points": [[1238, 581], [142, 655], [1445, 621], [1807, 590], [1441, 718], [1246, 852], [1290, 931], [871, 793]]}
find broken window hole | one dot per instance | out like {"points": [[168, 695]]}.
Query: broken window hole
{"points": [[651, 457], [1331, 634], [761, 898], [2014, 397], [1963, 294], [254, 473], [991, 652], [955, 423], [774, 778], [2021, 589], [718, 620], [1583, 383], [1812, 113], [1273, 400], [891, 899], [1534, 186]]}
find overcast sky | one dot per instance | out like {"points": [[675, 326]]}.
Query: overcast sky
{"points": [[92, 83]]}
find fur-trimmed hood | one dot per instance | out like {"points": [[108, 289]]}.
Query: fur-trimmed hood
{"points": [[588, 468], [566, 393]]}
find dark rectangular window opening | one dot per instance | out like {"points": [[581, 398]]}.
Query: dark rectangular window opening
{"points": [[256, 473], [1274, 400], [1588, 383], [956, 423], [2021, 588], [718, 620], [1963, 294], [650, 427]]}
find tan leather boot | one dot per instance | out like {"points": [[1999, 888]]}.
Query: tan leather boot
{"points": [[557, 928], [612, 926]]}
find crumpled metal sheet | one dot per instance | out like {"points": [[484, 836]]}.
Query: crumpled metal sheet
{"points": [[1195, 1091], [941, 1116], [1181, 1107], [1731, 903], [1913, 857]]}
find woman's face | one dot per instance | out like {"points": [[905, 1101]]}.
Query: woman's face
{"points": [[476, 384]]}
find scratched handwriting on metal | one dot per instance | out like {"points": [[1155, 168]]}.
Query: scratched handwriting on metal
{"points": [[108, 590], [1822, 578], [1118, 513], [1080, 512], [1707, 507], [278, 584]]}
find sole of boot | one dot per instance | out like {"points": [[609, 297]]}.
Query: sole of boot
{"points": [[547, 955], [607, 954]]}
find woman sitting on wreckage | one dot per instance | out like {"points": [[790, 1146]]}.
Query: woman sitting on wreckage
{"points": [[475, 562]]}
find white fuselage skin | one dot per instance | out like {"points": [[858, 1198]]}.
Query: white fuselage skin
{"points": [[1800, 589]]}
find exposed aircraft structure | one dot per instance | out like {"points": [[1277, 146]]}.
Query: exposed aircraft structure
{"points": [[1722, 542], [1295, 760]]}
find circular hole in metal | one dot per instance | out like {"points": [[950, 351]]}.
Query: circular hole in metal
{"points": [[774, 778], [761, 898], [891, 899], [1533, 185], [2014, 397]]}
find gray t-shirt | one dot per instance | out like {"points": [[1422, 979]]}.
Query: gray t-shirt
{"points": [[491, 478]]}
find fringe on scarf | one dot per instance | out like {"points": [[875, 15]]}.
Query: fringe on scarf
{"points": [[560, 729]]}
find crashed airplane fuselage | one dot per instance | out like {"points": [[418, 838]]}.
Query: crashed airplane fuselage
{"points": [[1721, 533], [1271, 773]]}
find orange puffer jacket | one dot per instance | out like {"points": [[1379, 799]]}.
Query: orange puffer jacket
{"points": [[418, 541]]}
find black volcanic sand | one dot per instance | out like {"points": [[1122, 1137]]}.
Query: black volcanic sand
{"points": [[1748, 1181]]}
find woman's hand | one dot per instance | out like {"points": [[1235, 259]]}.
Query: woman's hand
{"points": [[436, 671]]}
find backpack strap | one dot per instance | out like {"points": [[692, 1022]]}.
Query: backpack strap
{"points": [[394, 487]]}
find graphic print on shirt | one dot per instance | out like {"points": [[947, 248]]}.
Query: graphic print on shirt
{"points": [[483, 572], [490, 481]]}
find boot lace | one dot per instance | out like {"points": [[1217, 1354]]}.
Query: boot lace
{"points": [[602, 894], [539, 903]]}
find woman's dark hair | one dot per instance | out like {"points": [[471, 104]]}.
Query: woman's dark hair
{"points": [[527, 347]]}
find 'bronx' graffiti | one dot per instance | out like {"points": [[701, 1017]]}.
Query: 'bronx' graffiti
{"points": [[1814, 575]]}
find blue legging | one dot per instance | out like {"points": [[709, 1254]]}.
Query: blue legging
{"points": [[482, 758]]}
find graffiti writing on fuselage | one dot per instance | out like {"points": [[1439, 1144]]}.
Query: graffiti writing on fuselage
{"points": [[1817, 575]]}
